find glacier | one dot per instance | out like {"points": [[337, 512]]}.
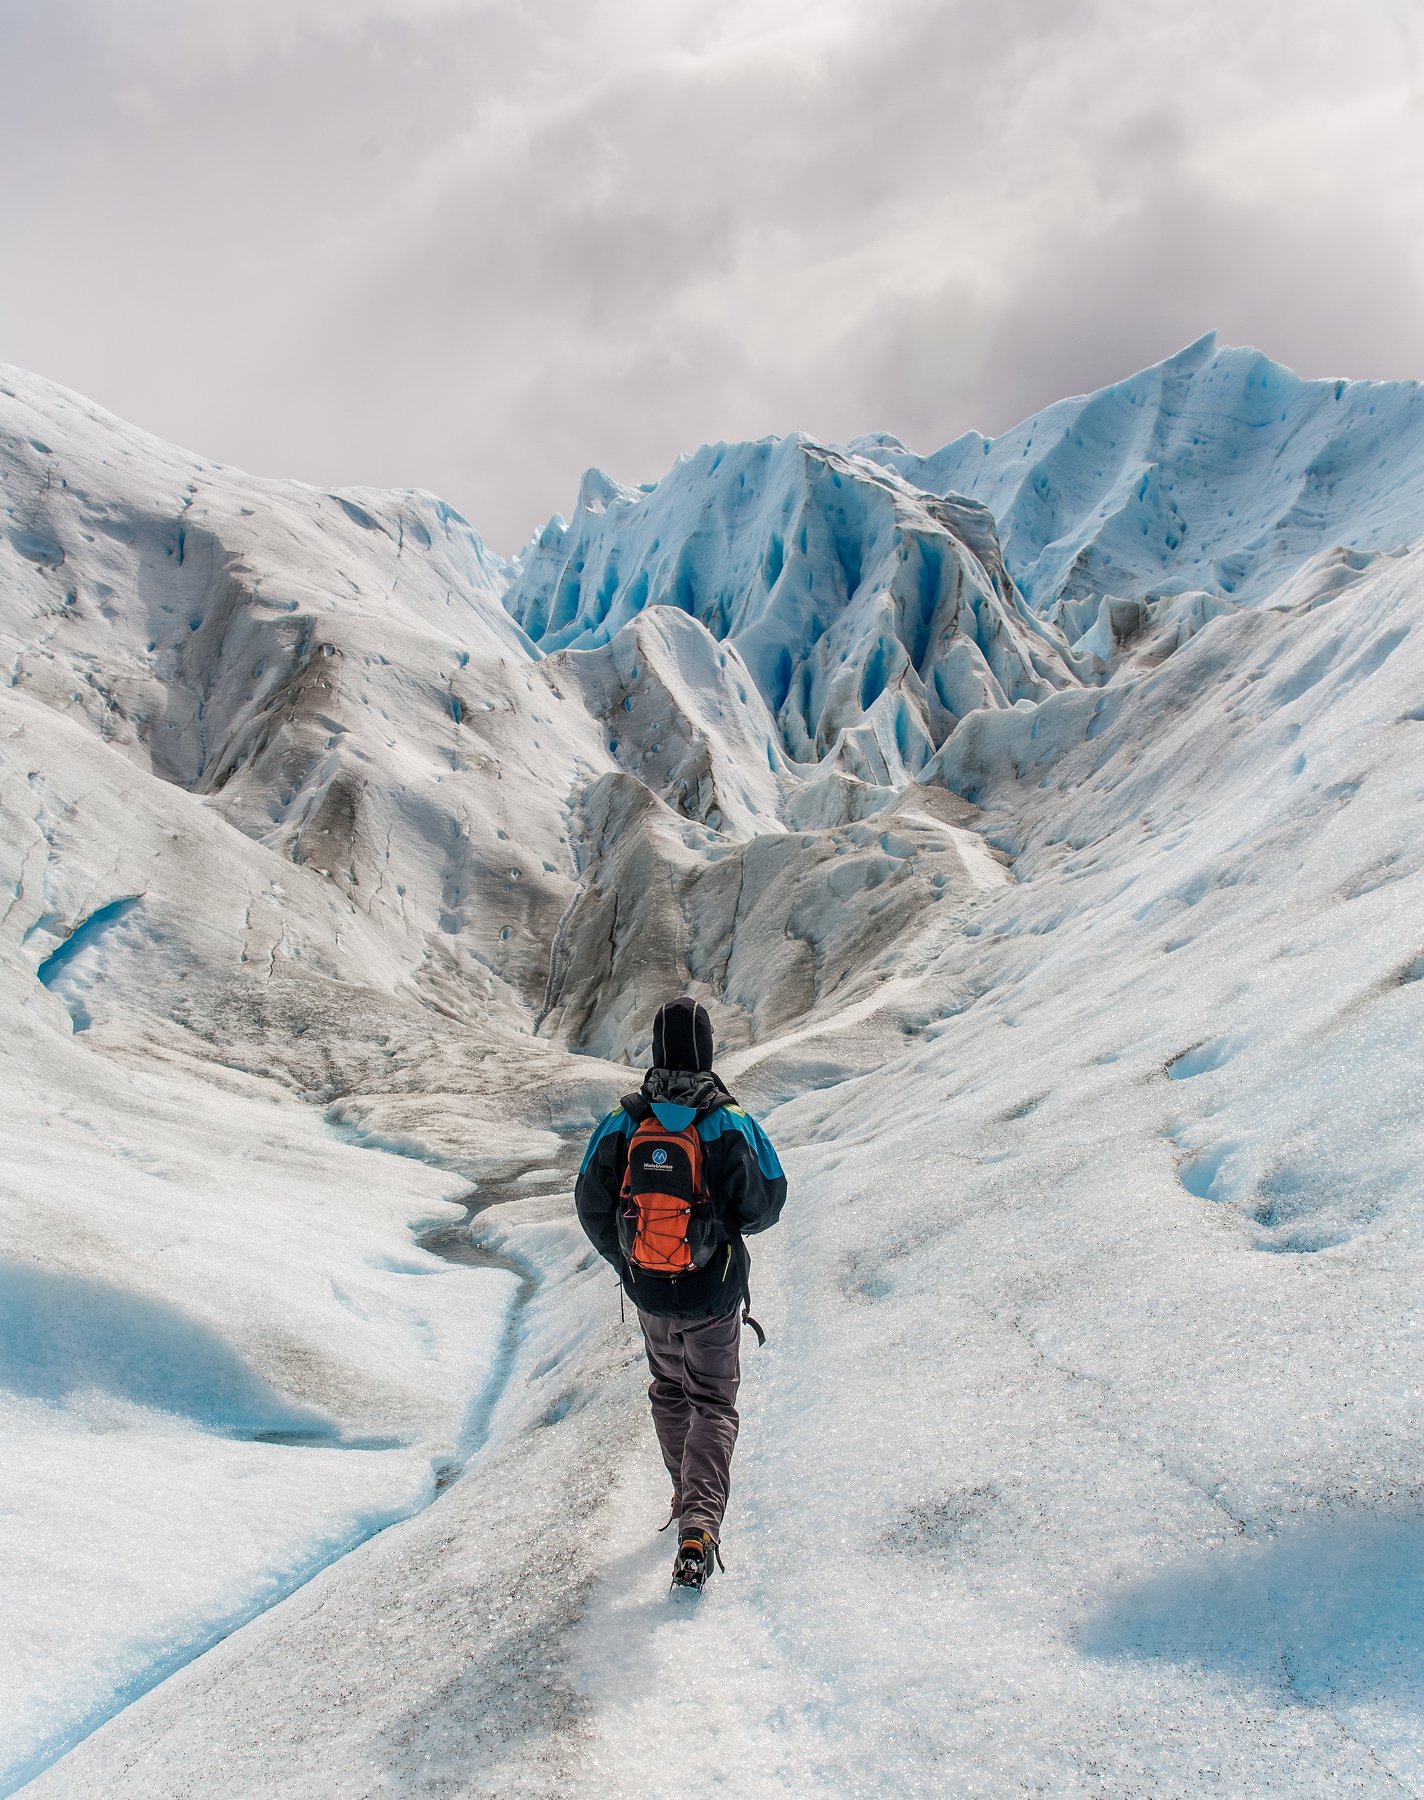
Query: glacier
{"points": [[1215, 470], [1038, 820], [871, 616]]}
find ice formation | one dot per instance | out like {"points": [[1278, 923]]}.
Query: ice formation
{"points": [[1038, 819], [871, 615]]}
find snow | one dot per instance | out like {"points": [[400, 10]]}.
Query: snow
{"points": [[1083, 1455]]}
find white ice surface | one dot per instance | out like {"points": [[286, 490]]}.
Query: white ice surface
{"points": [[1068, 1469], [190, 1257], [1215, 469], [1084, 1456], [183, 1272]]}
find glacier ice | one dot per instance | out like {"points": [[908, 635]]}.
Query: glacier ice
{"points": [[1055, 889], [1217, 469], [872, 616]]}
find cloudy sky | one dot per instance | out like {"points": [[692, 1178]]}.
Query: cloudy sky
{"points": [[475, 245]]}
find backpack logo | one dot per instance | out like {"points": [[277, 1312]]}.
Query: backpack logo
{"points": [[667, 1224]]}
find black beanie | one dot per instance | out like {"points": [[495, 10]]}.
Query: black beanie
{"points": [[682, 1036]]}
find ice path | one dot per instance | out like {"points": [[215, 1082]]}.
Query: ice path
{"points": [[905, 1530], [867, 1636], [771, 1722]]}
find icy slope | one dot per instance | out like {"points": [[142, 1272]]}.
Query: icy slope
{"points": [[291, 809], [1092, 1391], [232, 709], [874, 613], [786, 926], [223, 1361], [1216, 469], [223, 1356], [330, 673], [1084, 1454], [871, 616]]}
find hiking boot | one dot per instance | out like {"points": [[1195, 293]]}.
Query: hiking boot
{"points": [[674, 1513], [694, 1560]]}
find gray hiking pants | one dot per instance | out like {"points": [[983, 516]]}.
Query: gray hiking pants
{"points": [[696, 1371]]}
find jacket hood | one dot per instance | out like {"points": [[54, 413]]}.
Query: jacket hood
{"points": [[677, 1096]]}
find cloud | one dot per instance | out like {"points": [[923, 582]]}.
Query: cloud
{"points": [[475, 245]]}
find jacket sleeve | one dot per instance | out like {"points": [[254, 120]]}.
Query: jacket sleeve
{"points": [[753, 1183], [600, 1181]]}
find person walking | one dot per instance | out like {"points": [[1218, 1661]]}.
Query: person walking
{"points": [[672, 1182]]}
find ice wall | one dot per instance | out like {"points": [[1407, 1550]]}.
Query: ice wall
{"points": [[872, 616]]}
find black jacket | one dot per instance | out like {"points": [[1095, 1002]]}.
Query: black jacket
{"points": [[744, 1178]]}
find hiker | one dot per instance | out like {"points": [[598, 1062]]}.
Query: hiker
{"points": [[672, 1181]]}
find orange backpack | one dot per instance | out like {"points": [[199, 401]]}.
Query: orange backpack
{"points": [[666, 1226]]}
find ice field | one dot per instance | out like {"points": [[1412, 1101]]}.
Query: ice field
{"points": [[1040, 821]]}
